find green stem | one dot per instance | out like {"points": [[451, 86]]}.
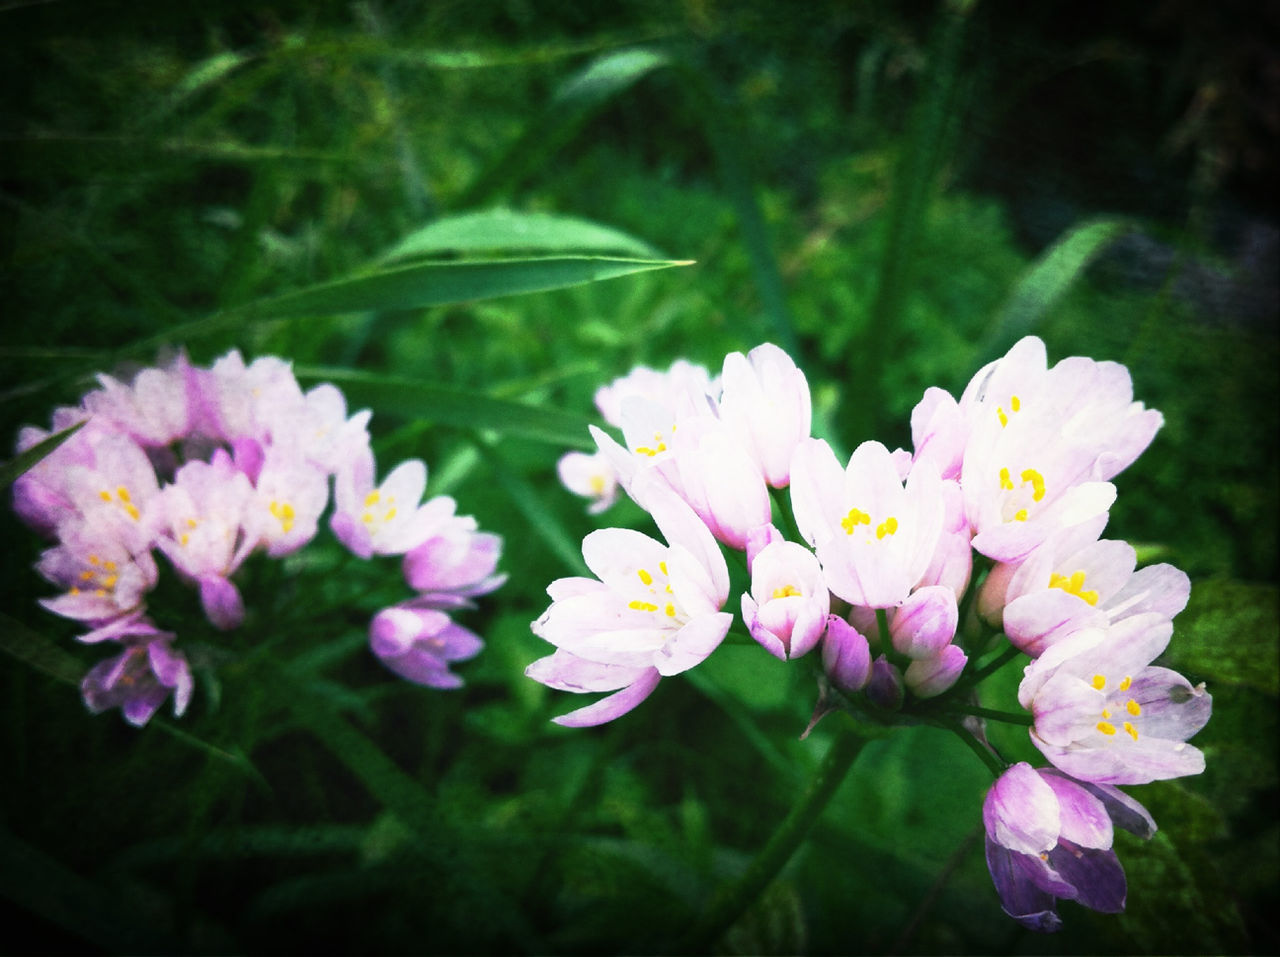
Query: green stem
{"points": [[1008, 717], [982, 750], [992, 666], [733, 900]]}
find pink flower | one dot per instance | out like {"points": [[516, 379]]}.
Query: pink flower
{"points": [[155, 408], [102, 578], [590, 476], [786, 609], [389, 519], [874, 538], [139, 679], [1042, 445], [419, 644], [1073, 582], [765, 404], [653, 610], [290, 494], [456, 563], [685, 384], [207, 532], [1050, 837], [1103, 714]]}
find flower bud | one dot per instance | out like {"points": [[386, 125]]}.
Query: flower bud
{"points": [[884, 690], [929, 677], [846, 656], [926, 622]]}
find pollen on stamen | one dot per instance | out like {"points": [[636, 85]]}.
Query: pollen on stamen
{"points": [[372, 498], [390, 514], [1125, 682], [1133, 732], [1006, 482], [786, 591], [1133, 707], [663, 567], [1106, 727], [104, 495], [855, 518], [645, 576], [1015, 403], [670, 610], [887, 527], [1004, 419], [1020, 515], [1100, 682], [638, 605]]}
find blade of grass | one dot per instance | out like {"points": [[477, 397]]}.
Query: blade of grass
{"points": [[503, 230], [15, 467], [577, 99], [433, 284], [409, 398], [1047, 280], [542, 522]]}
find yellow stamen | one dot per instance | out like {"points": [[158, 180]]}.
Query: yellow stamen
{"points": [[854, 518], [1133, 707], [371, 499], [391, 513], [1004, 419], [671, 610], [597, 484], [786, 591], [86, 575], [104, 495], [645, 576], [367, 518], [1125, 682], [1073, 585], [1015, 403], [1005, 481], [1099, 681], [1106, 727], [1133, 732], [1037, 483], [642, 606], [122, 493], [662, 566], [887, 527], [1020, 515]]}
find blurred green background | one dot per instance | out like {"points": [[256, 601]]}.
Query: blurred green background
{"points": [[894, 192]]}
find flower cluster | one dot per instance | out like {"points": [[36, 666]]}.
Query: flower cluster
{"points": [[1010, 486], [207, 466]]}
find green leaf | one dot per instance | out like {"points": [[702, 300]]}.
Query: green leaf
{"points": [[505, 231], [434, 284], [573, 103], [542, 522], [1047, 280], [1229, 632], [15, 467], [408, 398], [38, 651]]}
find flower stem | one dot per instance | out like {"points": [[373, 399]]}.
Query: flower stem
{"points": [[732, 901], [992, 666], [1008, 717], [980, 748]]}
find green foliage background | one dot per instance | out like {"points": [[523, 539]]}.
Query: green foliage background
{"points": [[894, 192]]}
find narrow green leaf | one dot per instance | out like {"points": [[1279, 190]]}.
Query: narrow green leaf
{"points": [[573, 103], [38, 651], [506, 231], [11, 470], [206, 73], [542, 522], [1047, 280], [408, 398], [81, 908], [433, 284]]}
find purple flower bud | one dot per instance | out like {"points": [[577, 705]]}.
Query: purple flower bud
{"points": [[929, 677], [884, 690], [419, 644], [846, 656], [925, 623], [1049, 837]]}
